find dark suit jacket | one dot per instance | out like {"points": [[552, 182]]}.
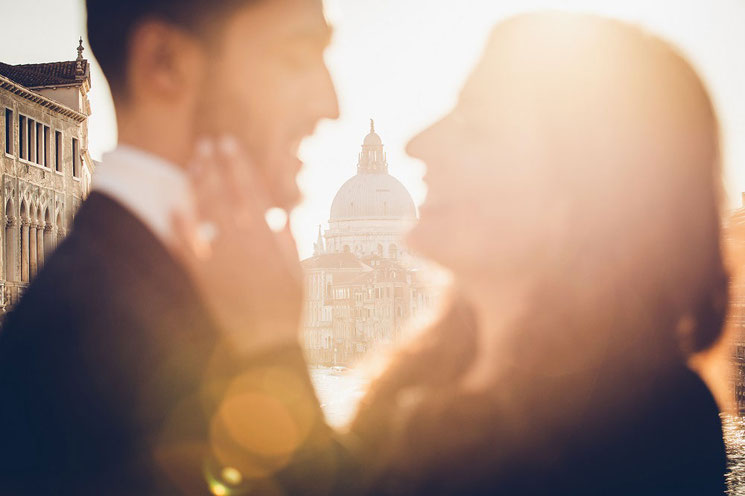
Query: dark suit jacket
{"points": [[103, 364], [108, 339]]}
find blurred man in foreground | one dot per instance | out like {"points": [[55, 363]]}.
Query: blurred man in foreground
{"points": [[110, 365]]}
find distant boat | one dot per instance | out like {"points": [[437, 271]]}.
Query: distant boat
{"points": [[338, 369]]}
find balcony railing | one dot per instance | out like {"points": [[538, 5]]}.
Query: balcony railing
{"points": [[10, 293]]}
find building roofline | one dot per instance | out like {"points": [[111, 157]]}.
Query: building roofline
{"points": [[55, 86], [28, 94], [37, 70]]}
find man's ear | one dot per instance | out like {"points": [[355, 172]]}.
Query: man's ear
{"points": [[165, 63]]}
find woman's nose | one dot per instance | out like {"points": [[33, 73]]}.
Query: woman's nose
{"points": [[416, 146], [433, 140]]}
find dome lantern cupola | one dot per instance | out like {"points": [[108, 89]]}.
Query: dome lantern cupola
{"points": [[372, 193], [372, 159]]}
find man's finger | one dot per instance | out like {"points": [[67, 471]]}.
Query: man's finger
{"points": [[209, 187], [186, 242]]}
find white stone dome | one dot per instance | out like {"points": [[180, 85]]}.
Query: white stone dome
{"points": [[376, 195], [372, 139]]}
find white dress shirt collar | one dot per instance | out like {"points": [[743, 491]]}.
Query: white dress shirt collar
{"points": [[150, 187]]}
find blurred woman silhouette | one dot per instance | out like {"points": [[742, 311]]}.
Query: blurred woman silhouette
{"points": [[577, 184]]}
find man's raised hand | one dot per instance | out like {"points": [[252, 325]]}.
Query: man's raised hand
{"points": [[249, 276]]}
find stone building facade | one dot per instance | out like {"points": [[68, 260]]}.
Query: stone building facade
{"points": [[46, 168], [362, 285]]}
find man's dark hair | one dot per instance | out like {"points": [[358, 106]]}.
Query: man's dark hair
{"points": [[111, 23]]}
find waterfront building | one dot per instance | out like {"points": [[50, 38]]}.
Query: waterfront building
{"points": [[45, 165], [362, 284]]}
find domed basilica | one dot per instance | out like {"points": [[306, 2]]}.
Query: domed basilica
{"points": [[362, 286], [372, 210]]}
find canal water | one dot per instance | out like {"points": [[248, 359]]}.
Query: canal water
{"points": [[339, 391], [734, 437]]}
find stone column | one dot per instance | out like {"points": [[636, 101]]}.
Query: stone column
{"points": [[60, 234], [32, 256], [40, 246], [24, 250]]}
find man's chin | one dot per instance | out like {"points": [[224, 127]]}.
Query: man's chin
{"points": [[282, 181]]}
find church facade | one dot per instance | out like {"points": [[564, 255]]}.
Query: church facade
{"points": [[362, 285], [45, 165]]}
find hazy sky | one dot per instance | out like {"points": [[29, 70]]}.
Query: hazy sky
{"points": [[402, 62]]}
